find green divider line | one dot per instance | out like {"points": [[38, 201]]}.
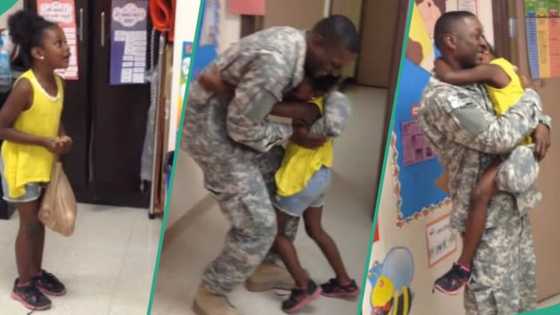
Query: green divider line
{"points": [[5, 5], [553, 310], [385, 154], [175, 156]]}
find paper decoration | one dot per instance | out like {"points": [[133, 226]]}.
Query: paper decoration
{"points": [[63, 12], [129, 42], [440, 239], [247, 7]]}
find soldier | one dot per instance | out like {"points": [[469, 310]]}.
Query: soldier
{"points": [[236, 146], [462, 127]]}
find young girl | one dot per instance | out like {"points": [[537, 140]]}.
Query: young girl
{"points": [[505, 89], [33, 138], [302, 182]]}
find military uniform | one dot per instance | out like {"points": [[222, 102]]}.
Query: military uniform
{"points": [[237, 146], [462, 127]]}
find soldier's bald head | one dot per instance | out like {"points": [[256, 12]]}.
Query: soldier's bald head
{"points": [[339, 30], [333, 43], [449, 23]]}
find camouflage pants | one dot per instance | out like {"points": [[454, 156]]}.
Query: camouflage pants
{"points": [[503, 279], [243, 189]]}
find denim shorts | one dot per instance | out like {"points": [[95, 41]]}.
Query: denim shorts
{"points": [[312, 195], [33, 191]]}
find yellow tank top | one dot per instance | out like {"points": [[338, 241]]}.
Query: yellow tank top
{"points": [[299, 163], [503, 99], [24, 163]]}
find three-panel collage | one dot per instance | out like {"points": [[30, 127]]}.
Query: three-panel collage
{"points": [[250, 157]]}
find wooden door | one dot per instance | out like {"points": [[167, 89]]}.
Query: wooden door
{"points": [[119, 117], [546, 216], [380, 20]]}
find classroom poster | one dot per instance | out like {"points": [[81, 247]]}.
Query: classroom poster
{"points": [[129, 41], [543, 37], [63, 12]]}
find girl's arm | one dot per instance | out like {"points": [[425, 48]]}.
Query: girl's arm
{"points": [[301, 111], [18, 101], [211, 81], [489, 74]]}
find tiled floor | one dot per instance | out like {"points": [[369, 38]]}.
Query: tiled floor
{"points": [[198, 236], [107, 264]]}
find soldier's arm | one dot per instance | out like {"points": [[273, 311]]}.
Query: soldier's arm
{"points": [[335, 118], [259, 89], [472, 126]]}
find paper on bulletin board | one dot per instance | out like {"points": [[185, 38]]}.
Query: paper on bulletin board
{"points": [[441, 240], [129, 42], [63, 13], [468, 5], [554, 47], [247, 7]]}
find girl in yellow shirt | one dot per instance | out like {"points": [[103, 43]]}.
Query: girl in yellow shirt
{"points": [[505, 88], [301, 183], [33, 137], [303, 180]]}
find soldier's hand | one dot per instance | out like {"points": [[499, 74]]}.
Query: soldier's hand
{"points": [[211, 80], [541, 137], [302, 138]]}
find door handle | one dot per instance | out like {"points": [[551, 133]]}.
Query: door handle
{"points": [[103, 29], [81, 25]]}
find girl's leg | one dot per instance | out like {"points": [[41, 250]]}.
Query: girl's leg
{"points": [[285, 248], [29, 241], [451, 282], [485, 189], [312, 218]]}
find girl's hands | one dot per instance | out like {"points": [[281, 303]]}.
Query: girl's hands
{"points": [[59, 145]]}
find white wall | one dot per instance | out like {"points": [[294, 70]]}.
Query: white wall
{"points": [[4, 17], [188, 188]]}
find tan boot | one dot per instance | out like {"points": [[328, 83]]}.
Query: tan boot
{"points": [[269, 277], [208, 303]]}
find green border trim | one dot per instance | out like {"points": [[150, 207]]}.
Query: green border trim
{"points": [[6, 5], [385, 154], [165, 220]]}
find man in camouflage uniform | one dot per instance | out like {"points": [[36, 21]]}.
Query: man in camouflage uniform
{"points": [[462, 127], [236, 146]]}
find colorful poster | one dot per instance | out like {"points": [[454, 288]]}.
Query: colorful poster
{"points": [[129, 41], [247, 7], [416, 168], [63, 12]]}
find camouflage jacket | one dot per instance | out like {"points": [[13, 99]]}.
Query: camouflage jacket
{"points": [[336, 115], [263, 67], [463, 129]]}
